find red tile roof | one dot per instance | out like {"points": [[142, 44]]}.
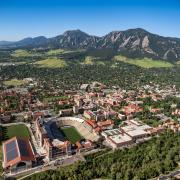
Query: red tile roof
{"points": [[28, 154], [92, 123], [105, 123]]}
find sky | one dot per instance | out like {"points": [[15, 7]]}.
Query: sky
{"points": [[31, 18]]}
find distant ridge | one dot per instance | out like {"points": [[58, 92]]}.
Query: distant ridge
{"points": [[132, 42]]}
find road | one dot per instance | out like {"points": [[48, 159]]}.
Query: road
{"points": [[170, 175], [51, 166]]}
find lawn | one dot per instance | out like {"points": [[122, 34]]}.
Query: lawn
{"points": [[145, 62], [15, 130], [51, 63], [71, 134], [14, 82]]}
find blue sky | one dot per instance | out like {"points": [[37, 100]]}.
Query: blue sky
{"points": [[30, 18]]}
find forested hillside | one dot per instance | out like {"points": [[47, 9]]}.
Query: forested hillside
{"points": [[144, 161]]}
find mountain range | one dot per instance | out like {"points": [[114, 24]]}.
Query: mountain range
{"points": [[132, 43]]}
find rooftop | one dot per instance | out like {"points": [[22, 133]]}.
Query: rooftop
{"points": [[16, 150]]}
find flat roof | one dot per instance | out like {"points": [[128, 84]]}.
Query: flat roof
{"points": [[120, 138], [112, 132], [134, 130]]}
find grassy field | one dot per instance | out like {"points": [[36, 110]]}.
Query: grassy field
{"points": [[55, 52], [15, 130], [145, 62], [71, 134], [51, 63], [14, 82], [90, 60], [20, 53]]}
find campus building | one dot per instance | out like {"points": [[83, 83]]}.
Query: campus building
{"points": [[51, 139], [18, 155], [116, 138]]}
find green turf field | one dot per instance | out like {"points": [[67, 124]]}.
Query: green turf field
{"points": [[71, 134], [15, 130]]}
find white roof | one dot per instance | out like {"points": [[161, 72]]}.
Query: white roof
{"points": [[134, 130], [120, 138]]}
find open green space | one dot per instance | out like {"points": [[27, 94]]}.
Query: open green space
{"points": [[54, 52], [20, 53], [71, 134], [15, 130], [51, 63], [14, 82], [145, 62], [90, 60]]}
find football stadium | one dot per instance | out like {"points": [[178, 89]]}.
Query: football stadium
{"points": [[57, 135]]}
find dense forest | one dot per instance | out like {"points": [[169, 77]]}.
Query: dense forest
{"points": [[147, 160]]}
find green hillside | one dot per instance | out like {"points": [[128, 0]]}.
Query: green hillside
{"points": [[145, 62]]}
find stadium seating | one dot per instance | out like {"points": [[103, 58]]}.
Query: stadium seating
{"points": [[79, 125]]}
